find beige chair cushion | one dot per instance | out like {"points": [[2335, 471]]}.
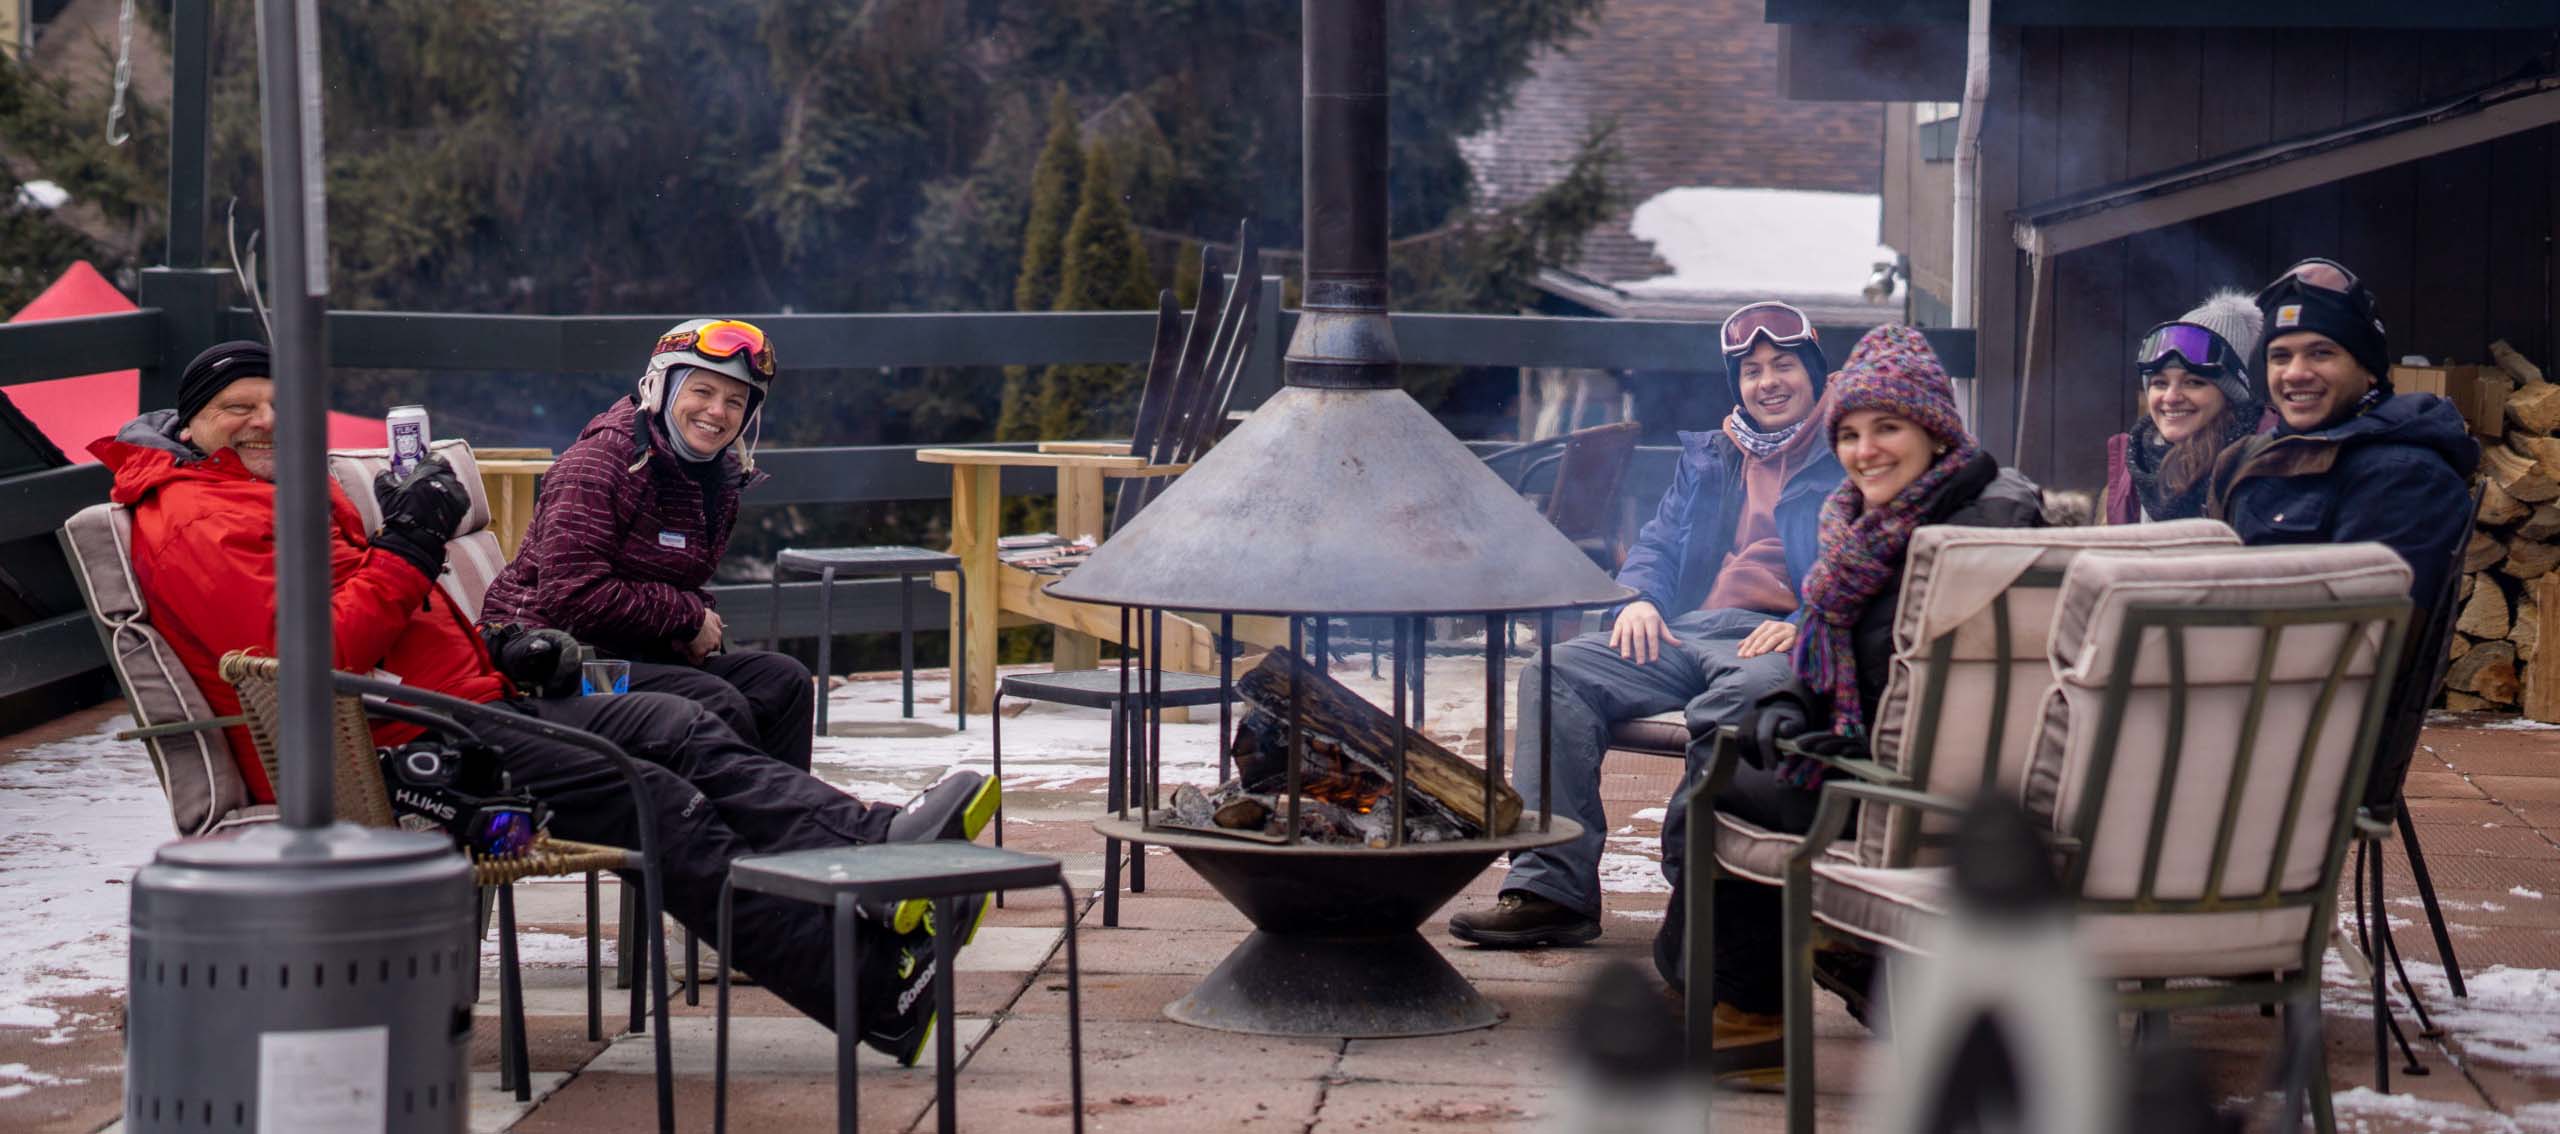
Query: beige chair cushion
{"points": [[1894, 907], [1662, 734], [2219, 667], [1954, 582], [197, 775], [472, 558], [1760, 854]]}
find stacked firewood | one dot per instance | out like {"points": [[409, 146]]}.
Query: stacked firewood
{"points": [[2509, 591]]}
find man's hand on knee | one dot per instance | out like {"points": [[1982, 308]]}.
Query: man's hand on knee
{"points": [[1639, 634]]}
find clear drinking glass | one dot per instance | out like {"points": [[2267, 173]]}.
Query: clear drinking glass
{"points": [[604, 675]]}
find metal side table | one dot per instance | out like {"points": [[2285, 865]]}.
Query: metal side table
{"points": [[886, 873], [904, 562]]}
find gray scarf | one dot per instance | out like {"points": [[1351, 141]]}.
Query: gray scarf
{"points": [[1759, 445]]}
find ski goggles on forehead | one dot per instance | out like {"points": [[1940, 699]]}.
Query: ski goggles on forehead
{"points": [[2319, 274], [727, 338], [2183, 344], [1781, 324]]}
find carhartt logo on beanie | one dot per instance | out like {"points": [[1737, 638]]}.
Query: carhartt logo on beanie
{"points": [[2289, 305]]}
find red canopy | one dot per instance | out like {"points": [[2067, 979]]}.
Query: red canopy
{"points": [[75, 411]]}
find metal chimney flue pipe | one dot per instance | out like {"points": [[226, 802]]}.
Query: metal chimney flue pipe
{"points": [[1343, 340]]}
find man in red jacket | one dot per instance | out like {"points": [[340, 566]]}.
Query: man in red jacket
{"points": [[198, 480]]}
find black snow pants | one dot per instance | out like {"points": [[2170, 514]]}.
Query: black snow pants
{"points": [[715, 798]]}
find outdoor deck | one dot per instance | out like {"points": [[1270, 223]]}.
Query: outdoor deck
{"points": [[78, 811]]}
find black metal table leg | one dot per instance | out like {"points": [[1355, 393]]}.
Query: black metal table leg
{"points": [[946, 1044], [848, 1010], [1113, 767], [995, 738], [595, 963], [720, 1020], [826, 641], [907, 646]]}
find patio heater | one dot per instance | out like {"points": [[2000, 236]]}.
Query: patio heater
{"points": [[1340, 496], [309, 975]]}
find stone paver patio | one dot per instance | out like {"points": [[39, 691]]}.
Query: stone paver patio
{"points": [[2486, 798]]}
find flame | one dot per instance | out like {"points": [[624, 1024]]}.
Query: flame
{"points": [[1345, 784]]}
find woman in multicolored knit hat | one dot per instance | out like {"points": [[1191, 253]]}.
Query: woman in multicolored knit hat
{"points": [[2197, 399], [1893, 423]]}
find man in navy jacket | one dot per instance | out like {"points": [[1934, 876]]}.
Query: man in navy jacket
{"points": [[1717, 573], [2349, 460]]}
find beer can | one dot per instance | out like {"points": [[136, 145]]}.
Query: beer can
{"points": [[405, 432]]}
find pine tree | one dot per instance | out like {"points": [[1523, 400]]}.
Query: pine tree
{"points": [[1054, 198], [1106, 270], [1054, 193]]}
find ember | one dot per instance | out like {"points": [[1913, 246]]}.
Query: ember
{"points": [[1346, 771]]}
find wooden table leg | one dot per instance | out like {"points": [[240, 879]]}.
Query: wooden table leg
{"points": [[1079, 514], [974, 496]]}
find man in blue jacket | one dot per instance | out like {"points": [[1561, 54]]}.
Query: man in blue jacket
{"points": [[2349, 461], [1717, 572]]}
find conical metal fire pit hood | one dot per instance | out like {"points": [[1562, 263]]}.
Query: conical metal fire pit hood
{"points": [[1346, 502], [1340, 495]]}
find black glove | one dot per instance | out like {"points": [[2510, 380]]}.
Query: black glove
{"points": [[542, 662], [419, 513], [1833, 746], [1766, 723]]}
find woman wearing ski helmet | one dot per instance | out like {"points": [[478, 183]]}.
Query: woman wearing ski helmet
{"points": [[633, 519]]}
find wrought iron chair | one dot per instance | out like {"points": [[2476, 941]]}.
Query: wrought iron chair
{"points": [[1961, 709], [1190, 375], [1574, 477], [2212, 860], [362, 798], [2422, 675]]}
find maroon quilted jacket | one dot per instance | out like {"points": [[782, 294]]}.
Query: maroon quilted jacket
{"points": [[619, 557]]}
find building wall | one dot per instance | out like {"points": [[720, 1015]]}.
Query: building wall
{"points": [[2457, 246], [1694, 88]]}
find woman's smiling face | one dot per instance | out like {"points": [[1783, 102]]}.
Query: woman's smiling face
{"points": [[710, 409], [1883, 452], [2179, 402]]}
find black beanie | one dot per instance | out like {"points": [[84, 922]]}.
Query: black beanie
{"points": [[216, 368], [2346, 319], [1809, 352]]}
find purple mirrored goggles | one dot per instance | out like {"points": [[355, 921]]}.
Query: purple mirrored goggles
{"points": [[2195, 348]]}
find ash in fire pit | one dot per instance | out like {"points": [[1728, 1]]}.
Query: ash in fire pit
{"points": [[1347, 773]]}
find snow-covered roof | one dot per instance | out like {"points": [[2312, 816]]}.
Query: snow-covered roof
{"points": [[1722, 241]]}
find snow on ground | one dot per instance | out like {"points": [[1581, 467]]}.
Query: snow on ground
{"points": [[2508, 1020], [77, 818], [1761, 241], [2516, 724], [2363, 1110]]}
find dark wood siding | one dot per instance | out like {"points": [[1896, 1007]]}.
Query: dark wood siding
{"points": [[2458, 247]]}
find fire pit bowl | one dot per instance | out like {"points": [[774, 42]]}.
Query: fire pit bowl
{"points": [[1335, 950]]}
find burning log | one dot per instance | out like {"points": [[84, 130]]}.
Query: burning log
{"points": [[1364, 737]]}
